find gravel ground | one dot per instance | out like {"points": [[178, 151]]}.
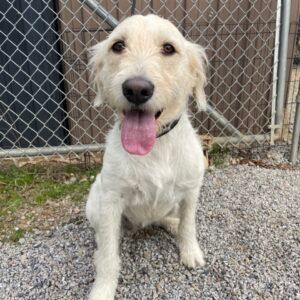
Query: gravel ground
{"points": [[248, 225]]}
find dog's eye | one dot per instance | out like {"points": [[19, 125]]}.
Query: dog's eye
{"points": [[168, 49], [118, 46]]}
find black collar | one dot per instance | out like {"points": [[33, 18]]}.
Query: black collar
{"points": [[168, 127]]}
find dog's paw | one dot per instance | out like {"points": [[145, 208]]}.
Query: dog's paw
{"points": [[102, 292], [192, 256]]}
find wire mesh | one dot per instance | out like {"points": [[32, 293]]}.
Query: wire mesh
{"points": [[45, 95]]}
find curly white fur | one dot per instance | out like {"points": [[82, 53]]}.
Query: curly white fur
{"points": [[163, 186]]}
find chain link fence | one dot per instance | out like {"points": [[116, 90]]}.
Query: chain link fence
{"points": [[45, 95]]}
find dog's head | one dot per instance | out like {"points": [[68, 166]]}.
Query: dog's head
{"points": [[146, 70]]}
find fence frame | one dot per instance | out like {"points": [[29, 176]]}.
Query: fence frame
{"points": [[278, 99]]}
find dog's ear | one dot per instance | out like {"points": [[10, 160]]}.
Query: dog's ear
{"points": [[96, 65], [198, 64]]}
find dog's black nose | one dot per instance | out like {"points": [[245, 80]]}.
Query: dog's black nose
{"points": [[137, 90]]}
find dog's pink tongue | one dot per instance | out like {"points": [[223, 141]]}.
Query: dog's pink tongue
{"points": [[138, 132]]}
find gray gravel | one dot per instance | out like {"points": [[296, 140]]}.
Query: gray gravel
{"points": [[248, 225]]}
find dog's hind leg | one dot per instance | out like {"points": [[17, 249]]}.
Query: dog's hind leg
{"points": [[190, 252], [170, 224], [104, 213], [171, 221]]}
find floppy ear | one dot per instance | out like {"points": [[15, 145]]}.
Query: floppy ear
{"points": [[96, 65], [198, 64]]}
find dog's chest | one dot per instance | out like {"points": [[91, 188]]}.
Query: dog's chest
{"points": [[151, 192], [148, 184]]}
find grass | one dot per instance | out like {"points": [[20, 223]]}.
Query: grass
{"points": [[12, 183], [55, 190], [26, 189], [218, 155], [16, 235]]}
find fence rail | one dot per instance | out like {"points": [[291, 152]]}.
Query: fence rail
{"points": [[45, 95]]}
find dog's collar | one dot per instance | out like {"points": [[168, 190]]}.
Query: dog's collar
{"points": [[168, 127]]}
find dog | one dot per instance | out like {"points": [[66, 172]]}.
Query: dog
{"points": [[153, 166]]}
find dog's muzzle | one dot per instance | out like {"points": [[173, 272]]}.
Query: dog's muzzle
{"points": [[137, 90]]}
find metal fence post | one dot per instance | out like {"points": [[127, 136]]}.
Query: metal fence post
{"points": [[282, 67], [275, 73], [296, 131], [101, 12]]}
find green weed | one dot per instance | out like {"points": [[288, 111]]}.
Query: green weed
{"points": [[218, 155]]}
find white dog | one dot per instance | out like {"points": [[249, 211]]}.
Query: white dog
{"points": [[153, 164]]}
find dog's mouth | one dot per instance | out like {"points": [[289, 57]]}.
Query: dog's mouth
{"points": [[157, 115], [138, 131]]}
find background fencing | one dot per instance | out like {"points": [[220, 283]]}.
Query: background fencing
{"points": [[45, 95]]}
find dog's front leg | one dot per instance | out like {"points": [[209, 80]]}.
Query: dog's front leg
{"points": [[190, 252], [104, 212]]}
